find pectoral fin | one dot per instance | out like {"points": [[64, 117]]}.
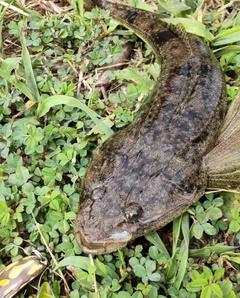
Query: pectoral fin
{"points": [[223, 162]]}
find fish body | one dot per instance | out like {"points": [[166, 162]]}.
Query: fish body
{"points": [[151, 171]]}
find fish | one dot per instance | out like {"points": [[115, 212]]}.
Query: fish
{"points": [[151, 171]]}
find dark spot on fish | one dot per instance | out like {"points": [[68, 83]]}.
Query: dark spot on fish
{"points": [[183, 69], [201, 138], [131, 16], [162, 37], [204, 70]]}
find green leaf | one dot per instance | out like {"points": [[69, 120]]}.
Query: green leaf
{"points": [[52, 101], [16, 82], [154, 277], [234, 259], [70, 215], [191, 26], [54, 204], [197, 230], [231, 295], [18, 241], [137, 294], [200, 282], [106, 270], [150, 266], [155, 239], [123, 294], [214, 213], [193, 288], [144, 6], [234, 226], [207, 273], [133, 261], [63, 226], [194, 274], [218, 273], [231, 201], [28, 188], [9, 64], [22, 175], [153, 252], [62, 158], [172, 291], [139, 270], [206, 292], [227, 36], [218, 202], [5, 219], [45, 291], [77, 261], [184, 251], [209, 229], [50, 176], [222, 225], [176, 232], [216, 290], [206, 251], [153, 292], [31, 83], [133, 74], [226, 287], [236, 213], [174, 6], [3, 208]]}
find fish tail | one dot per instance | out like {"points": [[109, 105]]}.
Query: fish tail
{"points": [[223, 162]]}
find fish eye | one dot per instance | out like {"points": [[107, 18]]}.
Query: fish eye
{"points": [[133, 212]]}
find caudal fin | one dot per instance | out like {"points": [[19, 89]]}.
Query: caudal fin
{"points": [[223, 162]]}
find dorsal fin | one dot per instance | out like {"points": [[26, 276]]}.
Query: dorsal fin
{"points": [[181, 32], [223, 162]]}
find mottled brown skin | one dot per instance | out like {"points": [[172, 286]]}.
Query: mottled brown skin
{"points": [[150, 172]]}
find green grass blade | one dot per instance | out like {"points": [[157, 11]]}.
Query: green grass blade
{"points": [[219, 52], [176, 232], [18, 8], [106, 270], [156, 240], [9, 64], [183, 253], [192, 26], [172, 266], [1, 31], [84, 263], [31, 82], [54, 100], [22, 87], [77, 261], [227, 37], [205, 252], [78, 6], [19, 85], [45, 291]]}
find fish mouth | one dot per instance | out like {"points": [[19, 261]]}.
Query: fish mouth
{"points": [[103, 246]]}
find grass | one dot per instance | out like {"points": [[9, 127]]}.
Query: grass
{"points": [[52, 118]]}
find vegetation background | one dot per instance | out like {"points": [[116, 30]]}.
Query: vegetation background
{"points": [[69, 78]]}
